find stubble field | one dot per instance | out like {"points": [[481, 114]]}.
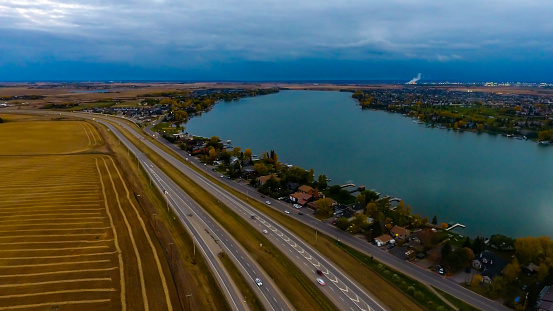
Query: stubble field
{"points": [[72, 236]]}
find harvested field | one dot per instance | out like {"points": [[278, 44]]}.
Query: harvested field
{"points": [[72, 236]]}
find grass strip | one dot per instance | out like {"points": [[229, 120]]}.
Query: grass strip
{"points": [[299, 290], [461, 305], [243, 284]]}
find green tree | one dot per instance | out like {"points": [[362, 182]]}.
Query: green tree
{"points": [[260, 169], [342, 223], [321, 182], [310, 176], [434, 220], [445, 251], [180, 115], [324, 207], [360, 198], [235, 152]]}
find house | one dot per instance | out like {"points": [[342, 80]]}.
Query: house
{"points": [[490, 264], [300, 198], [383, 240], [545, 299], [400, 233], [306, 189], [263, 179]]}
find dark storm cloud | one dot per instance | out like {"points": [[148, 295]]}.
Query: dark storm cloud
{"points": [[189, 34]]}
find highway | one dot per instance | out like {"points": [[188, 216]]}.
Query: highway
{"points": [[340, 288], [189, 212]]}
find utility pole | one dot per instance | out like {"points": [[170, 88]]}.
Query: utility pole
{"points": [[189, 298], [316, 237]]}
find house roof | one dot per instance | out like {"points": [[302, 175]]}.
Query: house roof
{"points": [[299, 195], [492, 264], [305, 188], [399, 231], [384, 238], [545, 302]]}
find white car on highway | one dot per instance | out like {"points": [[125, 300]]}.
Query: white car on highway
{"points": [[268, 202], [297, 205], [265, 231], [320, 281], [258, 282], [287, 212]]}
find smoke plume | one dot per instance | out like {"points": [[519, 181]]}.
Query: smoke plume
{"points": [[415, 79]]}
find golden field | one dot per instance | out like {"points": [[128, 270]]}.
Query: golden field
{"points": [[72, 236]]}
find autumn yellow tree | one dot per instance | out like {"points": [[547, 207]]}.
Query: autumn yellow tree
{"points": [[512, 270], [247, 154], [477, 279]]}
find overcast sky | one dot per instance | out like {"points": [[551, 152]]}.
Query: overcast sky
{"points": [[276, 40]]}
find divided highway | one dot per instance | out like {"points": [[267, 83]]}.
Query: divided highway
{"points": [[341, 289], [196, 220]]}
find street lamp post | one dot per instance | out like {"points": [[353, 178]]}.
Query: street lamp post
{"points": [[188, 298], [316, 238]]}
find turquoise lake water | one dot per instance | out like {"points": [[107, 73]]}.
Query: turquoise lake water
{"points": [[490, 183]]}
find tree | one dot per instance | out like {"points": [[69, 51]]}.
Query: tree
{"points": [[478, 245], [528, 249], [512, 270], [235, 152], [543, 271], [260, 169], [434, 220], [342, 223], [321, 182], [180, 115], [360, 198], [476, 279], [324, 207], [495, 289], [445, 251], [248, 154], [546, 135], [310, 176]]}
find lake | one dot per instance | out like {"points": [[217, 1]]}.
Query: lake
{"points": [[490, 183]]}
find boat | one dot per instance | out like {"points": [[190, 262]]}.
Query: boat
{"points": [[544, 143]]}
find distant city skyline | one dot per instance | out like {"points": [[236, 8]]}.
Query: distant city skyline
{"points": [[276, 40]]}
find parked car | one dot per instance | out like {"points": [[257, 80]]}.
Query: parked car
{"points": [[320, 281], [258, 282], [441, 271]]}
